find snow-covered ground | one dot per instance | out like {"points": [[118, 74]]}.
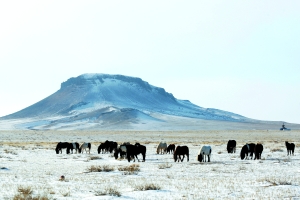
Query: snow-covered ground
{"points": [[28, 160]]}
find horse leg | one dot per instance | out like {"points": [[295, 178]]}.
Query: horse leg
{"points": [[208, 158]]}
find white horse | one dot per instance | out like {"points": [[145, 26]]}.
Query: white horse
{"points": [[85, 146], [205, 151], [162, 147]]}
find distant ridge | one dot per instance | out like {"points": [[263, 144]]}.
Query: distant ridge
{"points": [[95, 101]]}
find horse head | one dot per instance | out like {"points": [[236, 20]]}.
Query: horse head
{"points": [[200, 158], [117, 150], [175, 156]]}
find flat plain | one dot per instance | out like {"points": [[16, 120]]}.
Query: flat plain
{"points": [[30, 167]]}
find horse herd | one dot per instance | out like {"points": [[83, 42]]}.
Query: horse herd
{"points": [[130, 151]]}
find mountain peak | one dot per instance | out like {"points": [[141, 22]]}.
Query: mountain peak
{"points": [[87, 97]]}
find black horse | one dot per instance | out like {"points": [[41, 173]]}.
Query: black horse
{"points": [[134, 150], [290, 147], [73, 146], [258, 149], [181, 150], [101, 147], [108, 146], [247, 148], [231, 146], [62, 145], [171, 148]]}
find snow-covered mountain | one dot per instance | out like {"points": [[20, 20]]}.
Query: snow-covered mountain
{"points": [[102, 100]]}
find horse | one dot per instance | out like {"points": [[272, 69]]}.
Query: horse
{"points": [[112, 146], [72, 146], [247, 148], [62, 145], [84, 146], [101, 147], [109, 146], [134, 150], [171, 148], [181, 150], [162, 147], [290, 147], [121, 149], [258, 149], [231, 146], [204, 151]]}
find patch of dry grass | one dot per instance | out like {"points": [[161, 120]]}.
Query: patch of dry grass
{"points": [[99, 168], [26, 193], [150, 186], [108, 191], [129, 170]]}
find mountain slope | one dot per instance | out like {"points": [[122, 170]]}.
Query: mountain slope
{"points": [[110, 99]]}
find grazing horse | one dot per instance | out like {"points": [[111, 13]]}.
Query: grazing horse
{"points": [[181, 150], [162, 147], [108, 146], [85, 146], [134, 150], [62, 145], [101, 147], [258, 149], [204, 151], [290, 147], [231, 146], [72, 146], [112, 146], [247, 148], [120, 150], [171, 148]]}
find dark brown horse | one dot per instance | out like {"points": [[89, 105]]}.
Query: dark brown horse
{"points": [[171, 148], [290, 147], [231, 145], [247, 148], [181, 150], [258, 149]]}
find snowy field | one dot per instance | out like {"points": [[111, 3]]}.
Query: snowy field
{"points": [[29, 166]]}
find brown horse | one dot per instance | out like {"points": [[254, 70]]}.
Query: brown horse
{"points": [[181, 150]]}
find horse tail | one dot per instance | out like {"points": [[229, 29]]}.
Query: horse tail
{"points": [[89, 145]]}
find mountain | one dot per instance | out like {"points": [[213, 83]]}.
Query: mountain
{"points": [[102, 101]]}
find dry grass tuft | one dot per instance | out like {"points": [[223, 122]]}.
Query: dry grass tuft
{"points": [[150, 186], [10, 151], [129, 170], [26, 190], [104, 168], [276, 150], [108, 191], [26, 193]]}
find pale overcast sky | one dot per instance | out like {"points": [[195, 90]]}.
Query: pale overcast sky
{"points": [[238, 56]]}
